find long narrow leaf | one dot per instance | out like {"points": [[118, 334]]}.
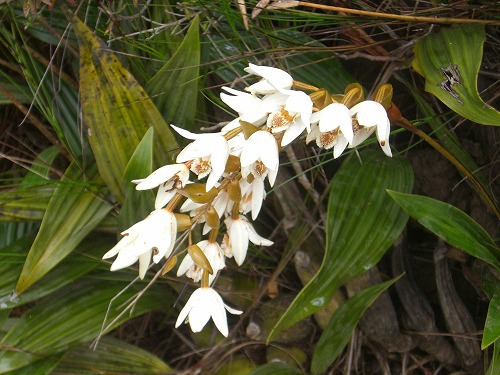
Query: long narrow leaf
{"points": [[68, 319], [111, 356], [451, 224], [175, 86], [339, 330], [73, 212], [362, 223]]}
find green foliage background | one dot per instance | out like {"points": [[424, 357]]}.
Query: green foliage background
{"points": [[87, 92]]}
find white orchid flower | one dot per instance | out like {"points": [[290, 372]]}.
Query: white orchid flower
{"points": [[328, 139], [273, 80], [206, 303], [169, 177], [239, 232], [215, 256], [209, 153], [154, 235], [333, 117], [371, 114], [260, 156]]}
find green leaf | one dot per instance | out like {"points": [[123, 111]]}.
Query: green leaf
{"points": [[40, 169], [116, 110], [174, 88], [339, 330], [451, 224], [362, 223], [73, 212], [492, 324], [86, 258], [276, 369], [495, 360], [137, 204], [111, 356], [449, 60], [73, 316]]}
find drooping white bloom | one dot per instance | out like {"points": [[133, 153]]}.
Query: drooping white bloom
{"points": [[206, 303], [371, 114], [332, 117], [208, 153], [154, 235], [171, 177], [239, 232], [252, 195], [328, 139], [260, 156], [293, 117], [273, 80], [215, 256]]}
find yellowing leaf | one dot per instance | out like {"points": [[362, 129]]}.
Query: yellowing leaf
{"points": [[116, 109]]}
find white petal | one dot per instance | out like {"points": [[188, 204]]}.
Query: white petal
{"points": [[238, 235], [186, 263], [260, 144], [274, 79], [300, 102], [271, 176], [144, 261], [163, 196], [200, 313], [340, 146], [123, 243], [255, 238], [218, 313], [185, 133], [187, 308], [257, 196], [123, 260], [233, 311], [160, 175], [295, 129]]}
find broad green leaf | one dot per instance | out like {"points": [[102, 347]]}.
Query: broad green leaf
{"points": [[73, 212], [339, 330], [116, 110], [111, 356], [492, 324], [449, 60], [362, 223], [137, 204], [451, 224], [72, 317], [276, 368], [174, 88]]}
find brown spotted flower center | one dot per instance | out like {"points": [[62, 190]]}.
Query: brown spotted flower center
{"points": [[328, 139], [279, 121], [259, 169], [201, 167]]}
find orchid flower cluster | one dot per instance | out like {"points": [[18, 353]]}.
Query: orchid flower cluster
{"points": [[236, 162]]}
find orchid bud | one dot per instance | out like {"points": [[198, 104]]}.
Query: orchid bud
{"points": [[198, 194], [383, 95], [199, 258]]}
